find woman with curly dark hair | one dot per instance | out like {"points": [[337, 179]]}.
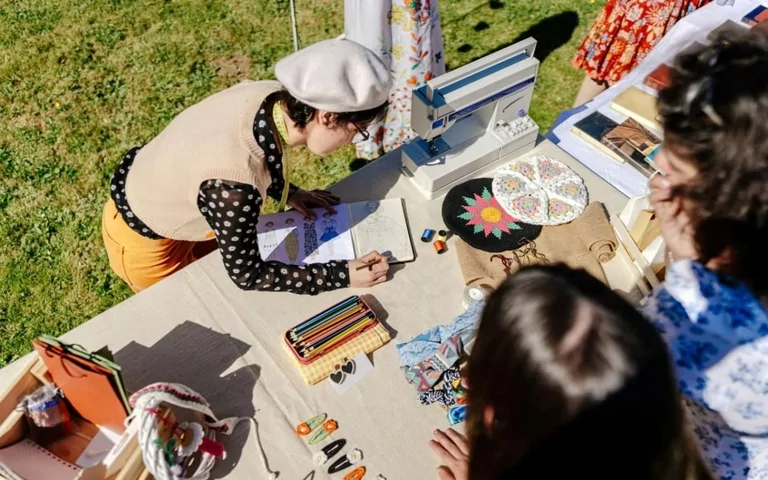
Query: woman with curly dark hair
{"points": [[712, 203]]}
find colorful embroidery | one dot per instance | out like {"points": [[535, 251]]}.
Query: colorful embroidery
{"points": [[486, 215], [540, 190]]}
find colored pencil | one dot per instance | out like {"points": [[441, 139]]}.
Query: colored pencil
{"points": [[326, 329], [332, 329], [319, 341], [368, 264], [330, 321], [310, 354], [322, 316], [327, 311], [327, 344]]}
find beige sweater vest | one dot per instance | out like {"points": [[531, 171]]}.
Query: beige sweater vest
{"points": [[212, 139]]}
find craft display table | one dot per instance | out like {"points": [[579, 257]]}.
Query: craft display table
{"points": [[197, 328], [692, 28]]}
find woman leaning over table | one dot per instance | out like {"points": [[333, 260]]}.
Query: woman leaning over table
{"points": [[201, 182], [712, 202]]}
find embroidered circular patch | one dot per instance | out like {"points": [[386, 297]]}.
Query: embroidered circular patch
{"points": [[540, 190], [473, 214]]}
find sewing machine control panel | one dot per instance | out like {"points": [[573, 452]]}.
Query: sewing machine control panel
{"points": [[519, 127]]}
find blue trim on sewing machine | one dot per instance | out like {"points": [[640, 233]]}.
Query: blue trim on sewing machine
{"points": [[452, 87], [476, 106], [438, 95]]}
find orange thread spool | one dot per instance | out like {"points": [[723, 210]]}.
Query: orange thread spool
{"points": [[440, 247]]}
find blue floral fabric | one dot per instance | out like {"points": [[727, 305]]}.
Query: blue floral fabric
{"points": [[425, 346], [717, 331]]}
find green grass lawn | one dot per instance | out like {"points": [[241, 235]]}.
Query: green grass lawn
{"points": [[83, 81]]}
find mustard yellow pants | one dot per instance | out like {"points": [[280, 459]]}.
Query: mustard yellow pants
{"points": [[140, 261]]}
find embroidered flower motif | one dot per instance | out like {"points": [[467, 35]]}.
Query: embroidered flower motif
{"points": [[486, 215], [398, 51]]}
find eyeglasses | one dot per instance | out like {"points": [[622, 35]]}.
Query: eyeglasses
{"points": [[364, 134]]}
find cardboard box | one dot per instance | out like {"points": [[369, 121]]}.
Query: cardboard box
{"points": [[126, 461]]}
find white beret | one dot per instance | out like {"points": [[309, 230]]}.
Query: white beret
{"points": [[336, 76]]}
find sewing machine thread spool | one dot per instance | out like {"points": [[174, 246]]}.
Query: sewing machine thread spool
{"points": [[442, 235], [426, 237], [473, 295], [440, 247]]}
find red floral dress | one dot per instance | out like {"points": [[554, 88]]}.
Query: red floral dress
{"points": [[624, 33]]}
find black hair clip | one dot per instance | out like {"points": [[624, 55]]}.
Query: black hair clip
{"points": [[328, 451], [346, 461]]}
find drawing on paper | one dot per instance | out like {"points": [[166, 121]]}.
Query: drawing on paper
{"points": [[270, 242], [292, 241], [329, 228], [356, 229], [382, 229], [310, 241], [330, 232]]}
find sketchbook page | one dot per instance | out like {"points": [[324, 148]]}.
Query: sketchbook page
{"points": [[381, 226], [290, 238]]}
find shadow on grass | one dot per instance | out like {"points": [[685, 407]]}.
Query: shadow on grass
{"points": [[551, 33]]}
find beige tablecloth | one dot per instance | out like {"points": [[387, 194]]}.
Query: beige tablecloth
{"points": [[197, 328]]}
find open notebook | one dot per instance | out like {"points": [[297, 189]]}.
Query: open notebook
{"points": [[355, 229]]}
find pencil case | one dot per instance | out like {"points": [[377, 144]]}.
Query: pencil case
{"points": [[318, 367]]}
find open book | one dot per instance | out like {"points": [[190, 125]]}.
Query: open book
{"points": [[355, 229]]}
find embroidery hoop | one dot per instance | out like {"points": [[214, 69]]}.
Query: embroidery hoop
{"points": [[148, 400]]}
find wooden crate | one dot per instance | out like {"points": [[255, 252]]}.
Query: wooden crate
{"points": [[128, 464]]}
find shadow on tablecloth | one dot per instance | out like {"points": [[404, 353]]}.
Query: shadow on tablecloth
{"points": [[177, 358]]}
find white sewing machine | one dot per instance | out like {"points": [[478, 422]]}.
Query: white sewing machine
{"points": [[472, 119]]}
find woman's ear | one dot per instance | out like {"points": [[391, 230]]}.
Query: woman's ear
{"points": [[325, 118]]}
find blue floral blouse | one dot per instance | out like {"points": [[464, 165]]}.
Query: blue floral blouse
{"points": [[717, 331]]}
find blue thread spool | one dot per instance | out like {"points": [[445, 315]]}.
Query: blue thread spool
{"points": [[426, 237]]}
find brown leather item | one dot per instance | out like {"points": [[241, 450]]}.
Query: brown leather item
{"points": [[86, 385]]}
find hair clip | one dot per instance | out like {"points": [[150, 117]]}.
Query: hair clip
{"points": [[329, 427], [311, 424], [328, 451], [340, 371], [356, 474], [346, 461]]}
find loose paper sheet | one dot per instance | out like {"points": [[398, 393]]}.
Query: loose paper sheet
{"points": [[363, 367]]}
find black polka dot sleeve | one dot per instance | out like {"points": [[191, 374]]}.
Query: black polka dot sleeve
{"points": [[232, 210]]}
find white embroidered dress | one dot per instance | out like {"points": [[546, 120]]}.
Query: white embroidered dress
{"points": [[406, 35]]}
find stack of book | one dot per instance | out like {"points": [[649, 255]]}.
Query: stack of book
{"points": [[628, 142], [756, 16]]}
